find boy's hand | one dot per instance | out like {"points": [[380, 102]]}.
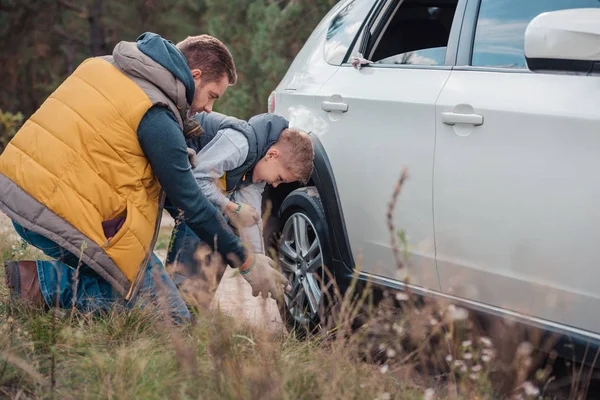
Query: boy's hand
{"points": [[242, 215], [260, 273]]}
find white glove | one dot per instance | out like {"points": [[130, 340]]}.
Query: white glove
{"points": [[265, 279], [244, 217]]}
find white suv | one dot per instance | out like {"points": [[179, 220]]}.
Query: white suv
{"points": [[502, 205]]}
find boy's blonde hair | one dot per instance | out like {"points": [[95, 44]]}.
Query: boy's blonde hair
{"points": [[297, 153]]}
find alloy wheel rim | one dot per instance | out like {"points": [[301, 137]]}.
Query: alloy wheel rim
{"points": [[301, 259]]}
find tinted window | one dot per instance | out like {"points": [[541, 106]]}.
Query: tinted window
{"points": [[500, 31], [417, 34], [343, 29]]}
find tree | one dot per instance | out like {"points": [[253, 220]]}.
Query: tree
{"points": [[43, 41], [264, 36]]}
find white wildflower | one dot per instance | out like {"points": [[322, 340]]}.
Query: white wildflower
{"points": [[486, 341], [391, 353], [467, 343], [14, 247], [476, 368], [384, 368], [433, 321], [428, 395], [468, 356], [398, 328], [474, 376], [485, 358], [530, 389], [449, 358], [457, 313], [489, 352], [524, 349], [401, 296]]}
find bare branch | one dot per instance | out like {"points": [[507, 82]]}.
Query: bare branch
{"points": [[71, 38], [74, 7]]}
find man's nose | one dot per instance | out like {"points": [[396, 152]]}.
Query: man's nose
{"points": [[208, 108], [275, 184]]}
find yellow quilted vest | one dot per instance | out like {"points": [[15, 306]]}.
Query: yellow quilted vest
{"points": [[79, 157]]}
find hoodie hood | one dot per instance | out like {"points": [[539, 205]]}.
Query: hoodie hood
{"points": [[267, 128], [160, 69], [165, 53]]}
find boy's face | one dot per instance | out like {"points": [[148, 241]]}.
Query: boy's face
{"points": [[207, 92], [271, 170]]}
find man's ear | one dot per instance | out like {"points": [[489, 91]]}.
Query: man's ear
{"points": [[273, 153], [196, 74]]}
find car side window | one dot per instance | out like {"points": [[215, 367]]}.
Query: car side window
{"points": [[343, 29], [500, 31], [416, 33]]}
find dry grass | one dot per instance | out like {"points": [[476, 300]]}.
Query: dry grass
{"points": [[406, 348]]}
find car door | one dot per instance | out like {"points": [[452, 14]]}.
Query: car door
{"points": [[515, 176], [379, 119]]}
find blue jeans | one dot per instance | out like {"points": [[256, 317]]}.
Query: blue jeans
{"points": [[92, 292], [182, 247]]}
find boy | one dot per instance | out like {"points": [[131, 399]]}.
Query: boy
{"points": [[235, 160]]}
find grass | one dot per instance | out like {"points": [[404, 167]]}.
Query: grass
{"points": [[406, 348]]}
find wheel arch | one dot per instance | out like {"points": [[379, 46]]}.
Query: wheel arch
{"points": [[323, 180]]}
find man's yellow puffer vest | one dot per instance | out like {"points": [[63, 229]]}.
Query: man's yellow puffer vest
{"points": [[77, 162], [79, 155]]}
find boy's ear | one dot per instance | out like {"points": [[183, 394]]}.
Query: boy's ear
{"points": [[273, 153]]}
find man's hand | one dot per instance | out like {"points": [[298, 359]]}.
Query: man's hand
{"points": [[242, 215], [260, 273]]}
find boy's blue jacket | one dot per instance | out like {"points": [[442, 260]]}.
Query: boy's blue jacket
{"points": [[261, 131]]}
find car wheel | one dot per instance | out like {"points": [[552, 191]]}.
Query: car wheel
{"points": [[304, 250]]}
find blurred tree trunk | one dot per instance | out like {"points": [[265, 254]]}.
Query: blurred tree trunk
{"points": [[43, 41], [97, 40]]}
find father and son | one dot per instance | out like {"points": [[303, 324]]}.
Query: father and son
{"points": [[87, 177]]}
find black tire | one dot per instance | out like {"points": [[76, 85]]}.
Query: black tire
{"points": [[306, 203]]}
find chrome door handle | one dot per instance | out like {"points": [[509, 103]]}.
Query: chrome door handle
{"points": [[334, 106], [452, 118]]}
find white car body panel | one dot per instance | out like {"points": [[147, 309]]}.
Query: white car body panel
{"points": [[516, 199], [389, 125]]}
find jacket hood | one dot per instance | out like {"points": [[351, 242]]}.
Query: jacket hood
{"points": [[158, 61], [268, 128], [165, 53]]}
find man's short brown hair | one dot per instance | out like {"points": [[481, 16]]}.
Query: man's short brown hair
{"points": [[297, 153], [209, 55]]}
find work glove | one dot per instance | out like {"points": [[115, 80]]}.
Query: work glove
{"points": [[192, 157], [244, 217], [265, 279]]}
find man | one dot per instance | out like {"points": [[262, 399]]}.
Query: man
{"points": [[85, 178]]}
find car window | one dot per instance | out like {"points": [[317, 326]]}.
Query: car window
{"points": [[500, 31], [416, 34], [343, 28]]}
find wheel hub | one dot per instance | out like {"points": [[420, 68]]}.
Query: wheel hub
{"points": [[300, 255]]}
